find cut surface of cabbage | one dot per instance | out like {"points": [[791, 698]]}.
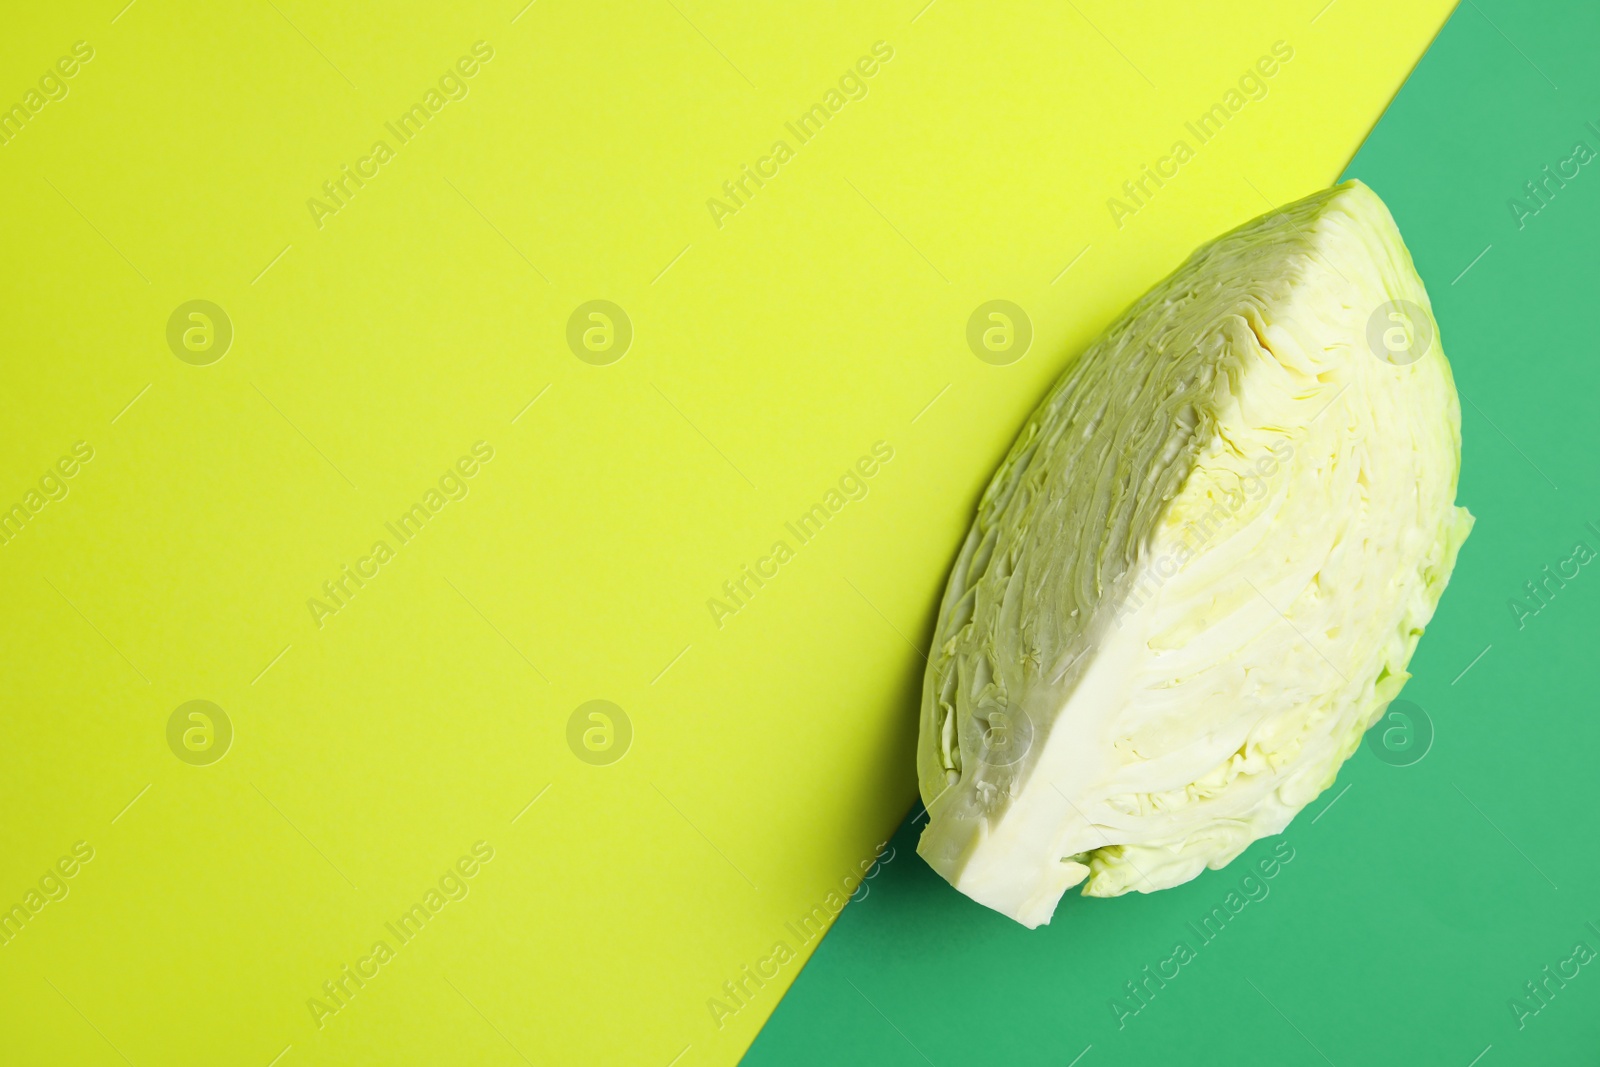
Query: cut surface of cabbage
{"points": [[1200, 573]]}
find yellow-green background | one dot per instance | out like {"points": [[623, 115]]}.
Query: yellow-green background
{"points": [[768, 355]]}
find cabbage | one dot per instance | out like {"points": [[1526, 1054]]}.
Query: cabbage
{"points": [[1200, 573]]}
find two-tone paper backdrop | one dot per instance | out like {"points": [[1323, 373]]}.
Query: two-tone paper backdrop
{"points": [[308, 417], [1446, 870]]}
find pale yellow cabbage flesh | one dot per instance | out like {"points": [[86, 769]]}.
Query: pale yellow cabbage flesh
{"points": [[1200, 573]]}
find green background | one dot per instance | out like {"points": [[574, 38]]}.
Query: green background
{"points": [[1421, 898]]}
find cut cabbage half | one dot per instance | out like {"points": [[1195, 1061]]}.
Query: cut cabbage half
{"points": [[1201, 571]]}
